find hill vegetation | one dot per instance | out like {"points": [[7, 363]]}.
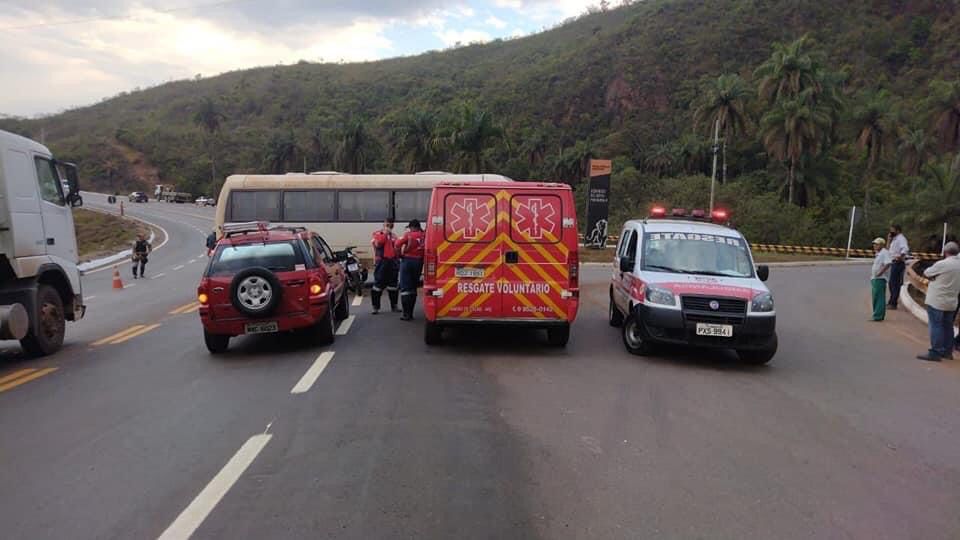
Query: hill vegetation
{"points": [[820, 106]]}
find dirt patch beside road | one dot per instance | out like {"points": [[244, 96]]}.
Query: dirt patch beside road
{"points": [[99, 234]]}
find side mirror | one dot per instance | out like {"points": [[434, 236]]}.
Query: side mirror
{"points": [[73, 183], [763, 272], [626, 265]]}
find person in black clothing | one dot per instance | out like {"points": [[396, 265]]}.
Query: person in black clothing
{"points": [[141, 249]]}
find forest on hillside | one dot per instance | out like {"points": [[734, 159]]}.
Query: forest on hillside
{"points": [[819, 106]]}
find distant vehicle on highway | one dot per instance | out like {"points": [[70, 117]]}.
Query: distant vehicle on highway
{"points": [[264, 279], [684, 278], [501, 253], [166, 193], [138, 197], [345, 208], [204, 201]]}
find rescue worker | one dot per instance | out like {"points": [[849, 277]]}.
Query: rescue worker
{"points": [[386, 266], [410, 246], [141, 248]]}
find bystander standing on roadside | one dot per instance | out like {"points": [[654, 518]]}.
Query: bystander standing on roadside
{"points": [[878, 278], [941, 300], [141, 249], [899, 250]]}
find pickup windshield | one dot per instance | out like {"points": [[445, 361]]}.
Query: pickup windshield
{"points": [[693, 253], [275, 256]]}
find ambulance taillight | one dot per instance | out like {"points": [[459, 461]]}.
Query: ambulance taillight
{"points": [[573, 269], [430, 264]]}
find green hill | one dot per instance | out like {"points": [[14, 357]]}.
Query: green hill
{"points": [[621, 83]]}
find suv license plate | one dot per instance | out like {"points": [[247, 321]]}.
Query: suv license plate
{"points": [[262, 328], [353, 267], [714, 330], [465, 272]]}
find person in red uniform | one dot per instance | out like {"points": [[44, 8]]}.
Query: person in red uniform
{"points": [[410, 246], [386, 266]]}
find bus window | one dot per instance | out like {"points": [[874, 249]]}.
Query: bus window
{"points": [[254, 206], [368, 206], [309, 206], [411, 205]]}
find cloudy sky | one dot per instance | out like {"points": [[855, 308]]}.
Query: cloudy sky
{"points": [[56, 54]]}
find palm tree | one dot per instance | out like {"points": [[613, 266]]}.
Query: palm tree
{"points": [[793, 129], [723, 101], [790, 70], [940, 200], [573, 164], [354, 145], [944, 105], [472, 132], [415, 141], [281, 152], [660, 158], [209, 117], [914, 148], [875, 122], [534, 146]]}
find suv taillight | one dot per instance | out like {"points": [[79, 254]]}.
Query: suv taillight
{"points": [[573, 264], [203, 292], [430, 264]]}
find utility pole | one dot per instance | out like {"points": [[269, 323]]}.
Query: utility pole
{"points": [[713, 177]]}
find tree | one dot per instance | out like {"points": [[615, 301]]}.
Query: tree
{"points": [[794, 129], [281, 153], [944, 105], [940, 199], [209, 117], [660, 158], [724, 100], [874, 119], [791, 70], [573, 164], [914, 149], [354, 147], [472, 131], [415, 139]]}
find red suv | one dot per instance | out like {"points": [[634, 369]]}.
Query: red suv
{"points": [[263, 280]]}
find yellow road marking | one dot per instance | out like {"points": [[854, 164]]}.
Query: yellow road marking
{"points": [[16, 375], [118, 335], [35, 375], [192, 306], [140, 332]]}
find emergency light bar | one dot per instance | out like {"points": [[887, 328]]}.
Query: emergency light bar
{"points": [[246, 227], [717, 216]]}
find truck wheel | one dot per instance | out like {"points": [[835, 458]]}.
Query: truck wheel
{"points": [[325, 329], [759, 357], [46, 333], [432, 333], [343, 307], [558, 336], [633, 338], [216, 343], [615, 317]]}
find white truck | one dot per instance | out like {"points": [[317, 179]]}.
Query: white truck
{"points": [[39, 279]]}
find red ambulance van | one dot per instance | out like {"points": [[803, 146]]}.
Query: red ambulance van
{"points": [[501, 253]]}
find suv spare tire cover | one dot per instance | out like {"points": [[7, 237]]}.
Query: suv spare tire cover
{"points": [[255, 292]]}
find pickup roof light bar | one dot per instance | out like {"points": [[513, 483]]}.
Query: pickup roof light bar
{"points": [[717, 216]]}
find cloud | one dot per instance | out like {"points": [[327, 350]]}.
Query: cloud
{"points": [[495, 22]]}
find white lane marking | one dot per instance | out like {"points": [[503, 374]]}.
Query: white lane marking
{"points": [[345, 326], [192, 261], [204, 503], [129, 285], [178, 267], [91, 297], [313, 373], [357, 300], [158, 276]]}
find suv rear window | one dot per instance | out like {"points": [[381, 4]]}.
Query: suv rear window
{"points": [[275, 256]]}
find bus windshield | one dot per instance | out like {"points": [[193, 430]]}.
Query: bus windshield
{"points": [[692, 253]]}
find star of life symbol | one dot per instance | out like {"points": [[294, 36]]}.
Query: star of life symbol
{"points": [[535, 218], [470, 218]]}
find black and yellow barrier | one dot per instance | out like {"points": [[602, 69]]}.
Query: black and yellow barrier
{"points": [[830, 251]]}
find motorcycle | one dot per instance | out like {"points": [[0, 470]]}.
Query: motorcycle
{"points": [[356, 271]]}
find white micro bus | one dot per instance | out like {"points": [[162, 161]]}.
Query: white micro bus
{"points": [[343, 208]]}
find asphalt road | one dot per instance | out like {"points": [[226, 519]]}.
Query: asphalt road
{"points": [[493, 435]]}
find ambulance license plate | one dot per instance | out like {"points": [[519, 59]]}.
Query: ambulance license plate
{"points": [[714, 330], [465, 272], [262, 327]]}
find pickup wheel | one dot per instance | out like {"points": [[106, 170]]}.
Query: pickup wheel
{"points": [[343, 307], [325, 328], [633, 338], [216, 343], [615, 317], [759, 357], [46, 333], [558, 336], [432, 333]]}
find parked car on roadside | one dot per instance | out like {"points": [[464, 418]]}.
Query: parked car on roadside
{"points": [[138, 197], [204, 201], [263, 280]]}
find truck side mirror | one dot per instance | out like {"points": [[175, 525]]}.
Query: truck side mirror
{"points": [[763, 272], [73, 182], [626, 265]]}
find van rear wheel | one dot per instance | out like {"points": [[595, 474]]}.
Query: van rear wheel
{"points": [[558, 336], [432, 333]]}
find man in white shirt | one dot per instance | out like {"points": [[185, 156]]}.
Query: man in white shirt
{"points": [[899, 250], [878, 278], [941, 303]]}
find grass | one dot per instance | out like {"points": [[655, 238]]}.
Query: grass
{"points": [[100, 234], [606, 256]]}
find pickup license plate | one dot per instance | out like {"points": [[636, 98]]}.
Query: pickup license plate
{"points": [[714, 330], [353, 267], [466, 272], [262, 327]]}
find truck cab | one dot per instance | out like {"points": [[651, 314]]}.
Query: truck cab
{"points": [[39, 280]]}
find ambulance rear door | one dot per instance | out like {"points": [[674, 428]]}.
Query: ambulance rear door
{"points": [[469, 257]]}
